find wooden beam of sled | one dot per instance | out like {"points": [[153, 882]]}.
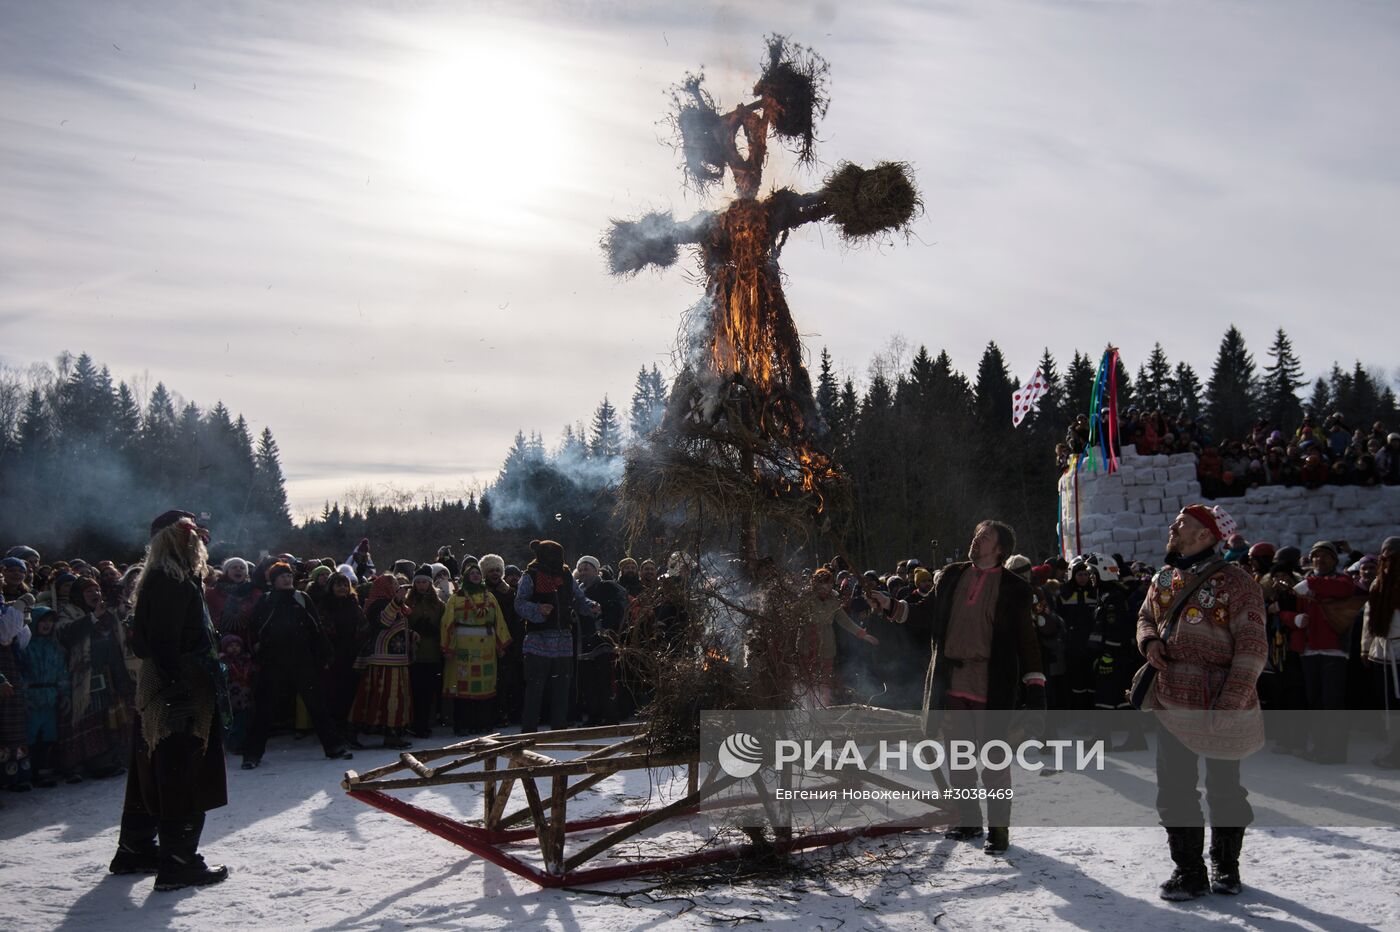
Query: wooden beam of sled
{"points": [[496, 749], [558, 804], [644, 822], [477, 749], [588, 782], [532, 795], [414, 764], [605, 765]]}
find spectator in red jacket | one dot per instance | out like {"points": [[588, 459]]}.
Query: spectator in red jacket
{"points": [[1328, 605]]}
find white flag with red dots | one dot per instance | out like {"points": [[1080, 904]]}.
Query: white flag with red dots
{"points": [[1027, 399]]}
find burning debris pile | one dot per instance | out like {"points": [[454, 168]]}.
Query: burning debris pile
{"points": [[741, 448], [730, 645]]}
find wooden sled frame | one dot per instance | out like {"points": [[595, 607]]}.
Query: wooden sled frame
{"points": [[507, 760]]}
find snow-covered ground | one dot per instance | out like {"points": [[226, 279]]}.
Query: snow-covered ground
{"points": [[304, 855]]}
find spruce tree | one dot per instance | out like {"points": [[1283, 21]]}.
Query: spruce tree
{"points": [[126, 419], [158, 448], [605, 438], [1320, 401], [1365, 401], [1230, 394], [573, 447], [270, 489], [1282, 379], [827, 390], [992, 392], [1079, 387], [1047, 418], [1342, 392], [644, 415], [1154, 384], [1186, 391], [35, 432]]}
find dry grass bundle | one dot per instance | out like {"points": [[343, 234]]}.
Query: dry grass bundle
{"points": [[867, 202], [632, 245], [793, 88], [701, 132]]}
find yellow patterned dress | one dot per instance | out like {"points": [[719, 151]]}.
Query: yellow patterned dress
{"points": [[474, 635]]}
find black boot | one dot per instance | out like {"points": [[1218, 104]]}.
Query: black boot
{"points": [[964, 833], [1225, 846], [1189, 880], [42, 760], [180, 862], [998, 839], [137, 852]]}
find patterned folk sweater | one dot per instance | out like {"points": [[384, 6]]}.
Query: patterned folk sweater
{"points": [[1214, 656]]}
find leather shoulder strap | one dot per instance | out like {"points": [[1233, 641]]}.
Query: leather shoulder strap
{"points": [[1174, 610]]}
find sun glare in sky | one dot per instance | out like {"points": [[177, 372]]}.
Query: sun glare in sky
{"points": [[481, 123]]}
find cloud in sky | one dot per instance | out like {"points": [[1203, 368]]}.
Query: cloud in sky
{"points": [[375, 231]]}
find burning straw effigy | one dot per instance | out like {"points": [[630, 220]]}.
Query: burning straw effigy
{"points": [[741, 446], [740, 462]]}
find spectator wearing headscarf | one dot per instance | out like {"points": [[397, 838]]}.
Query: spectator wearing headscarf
{"points": [[384, 697]]}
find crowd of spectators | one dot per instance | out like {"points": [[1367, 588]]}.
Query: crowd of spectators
{"points": [[1315, 454], [466, 646]]}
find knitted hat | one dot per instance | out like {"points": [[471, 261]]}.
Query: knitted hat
{"points": [[37, 613], [922, 575], [1390, 545], [512, 568], [468, 560], [492, 561], [424, 572], [586, 559], [165, 519], [625, 562], [1017, 563], [14, 563], [320, 571], [234, 561], [438, 570], [1213, 518], [277, 569]]}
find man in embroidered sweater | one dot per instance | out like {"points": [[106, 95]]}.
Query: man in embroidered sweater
{"points": [[1208, 663], [983, 649]]}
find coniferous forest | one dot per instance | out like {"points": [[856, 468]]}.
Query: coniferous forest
{"points": [[85, 462]]}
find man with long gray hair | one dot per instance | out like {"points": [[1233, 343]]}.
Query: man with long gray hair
{"points": [[177, 758]]}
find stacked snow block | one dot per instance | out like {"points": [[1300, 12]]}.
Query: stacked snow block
{"points": [[1128, 512]]}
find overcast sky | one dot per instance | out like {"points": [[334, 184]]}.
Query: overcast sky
{"points": [[373, 227]]}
